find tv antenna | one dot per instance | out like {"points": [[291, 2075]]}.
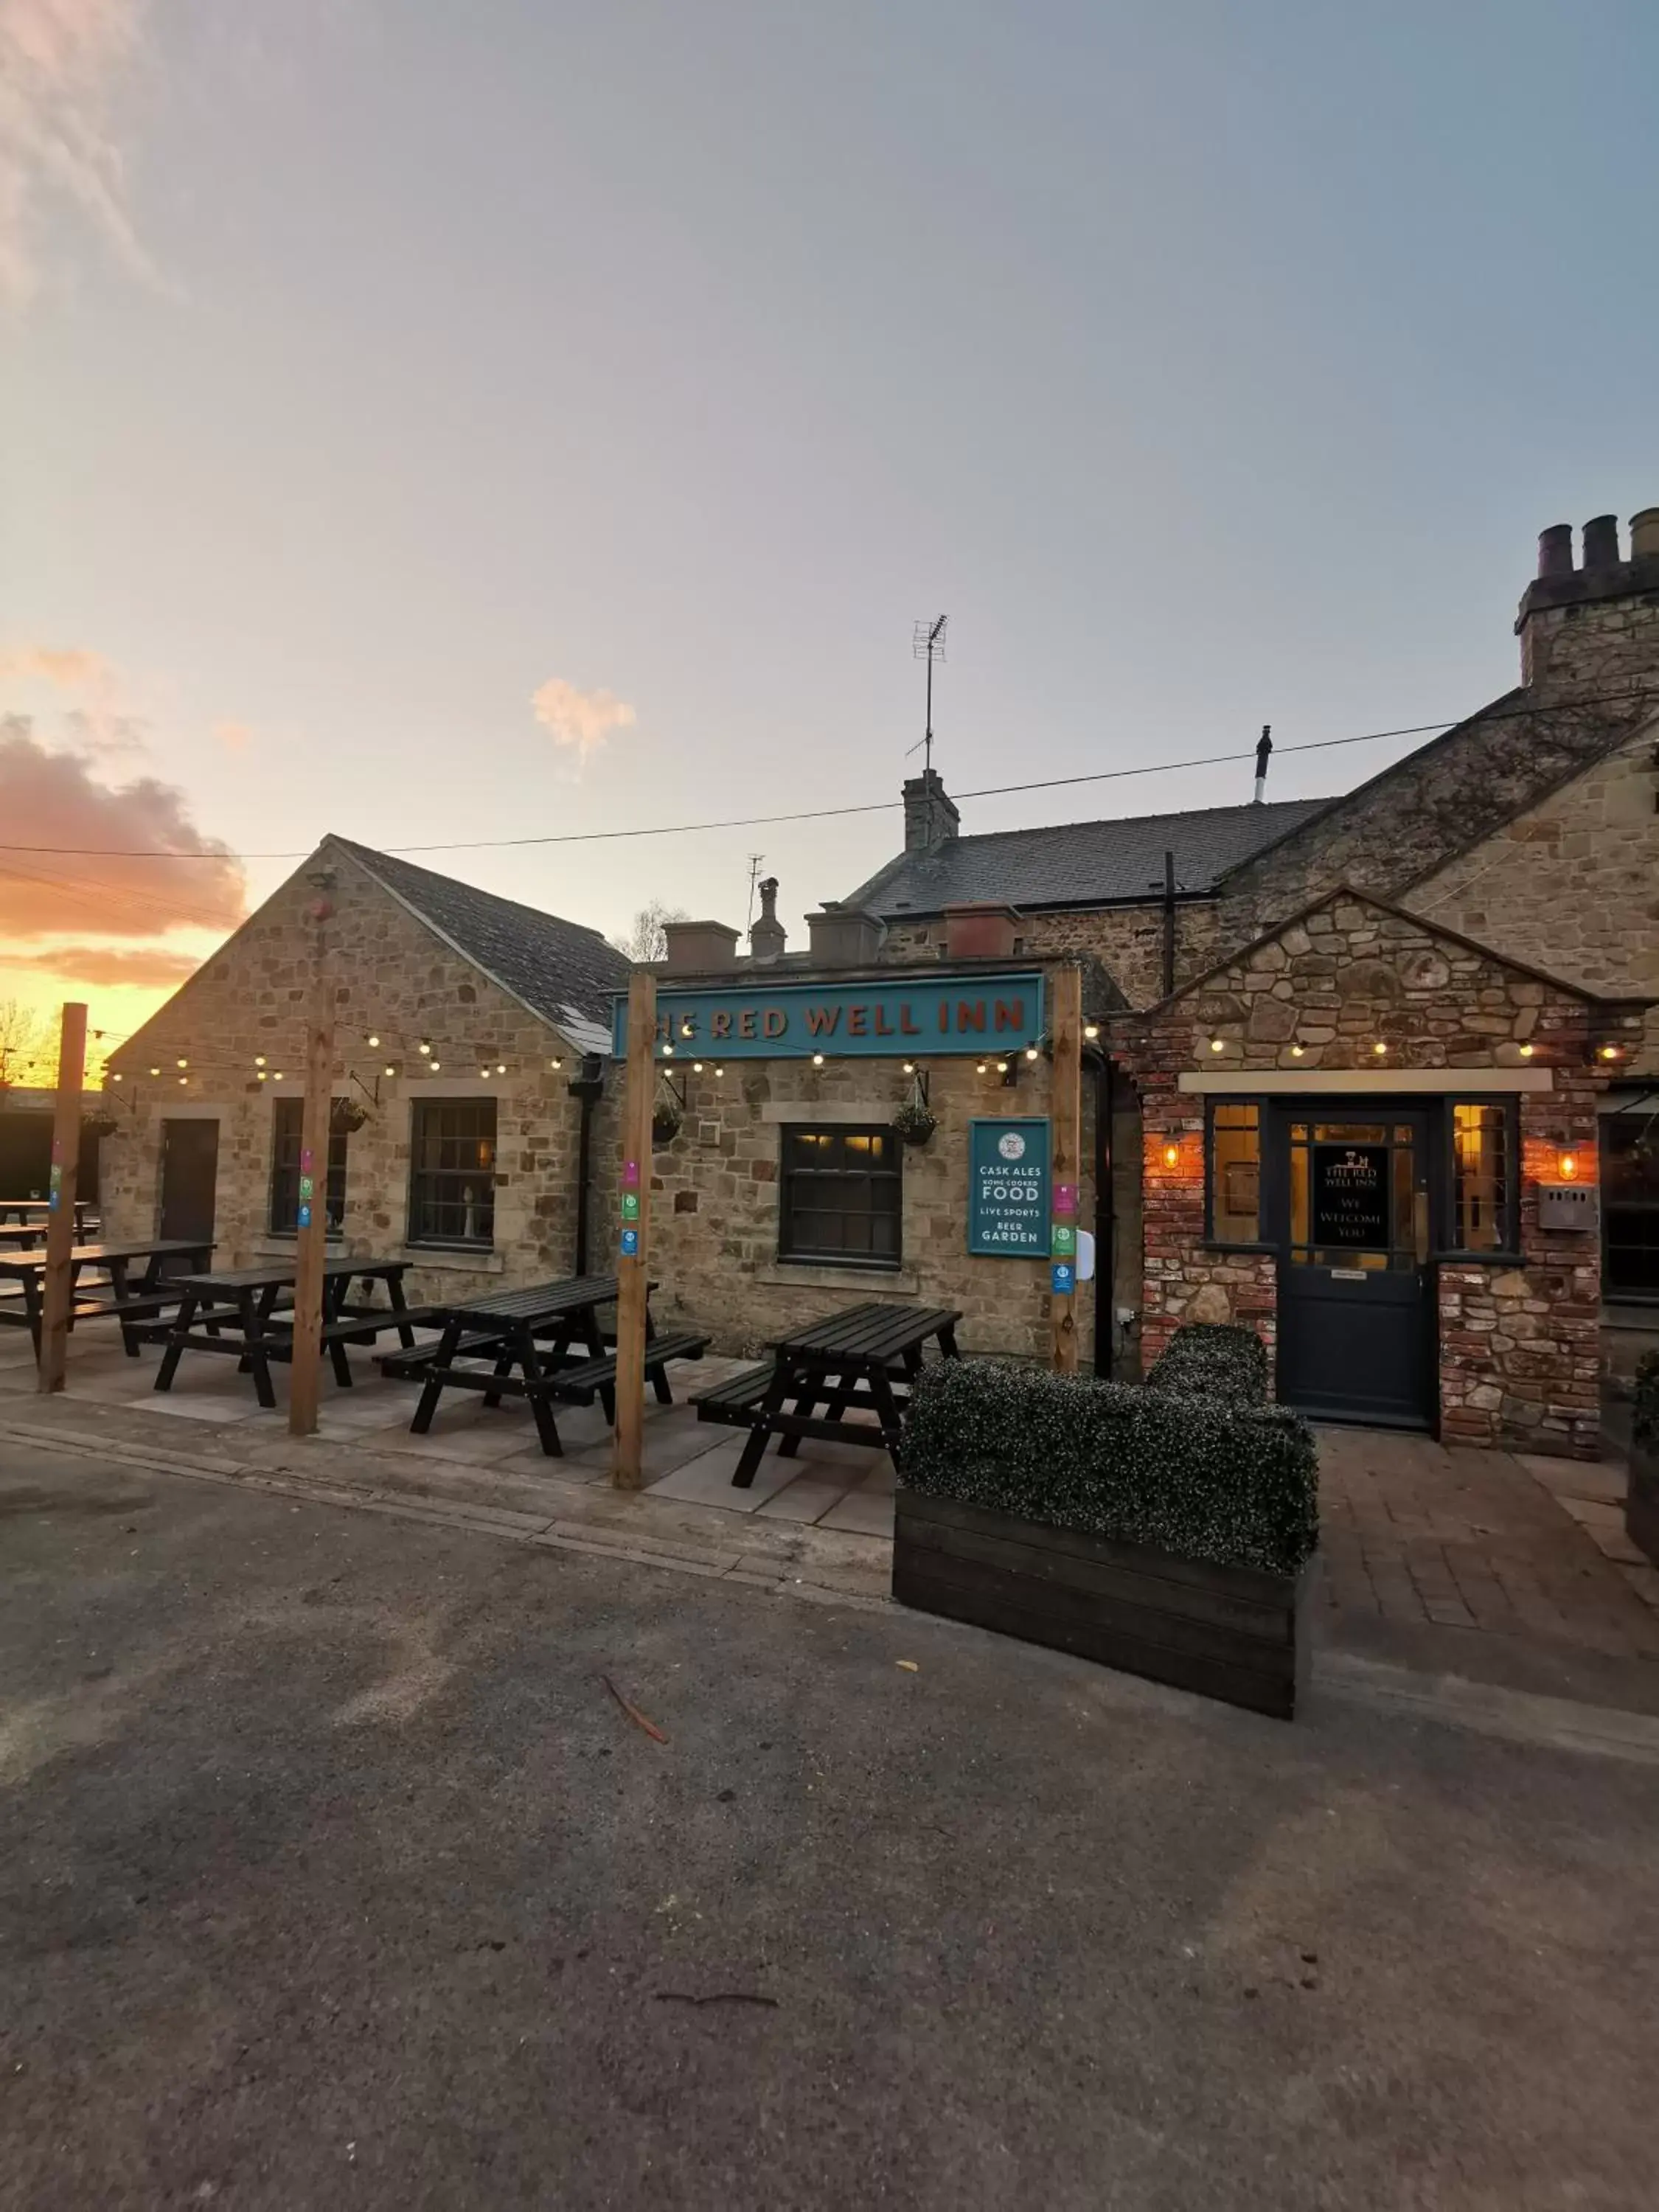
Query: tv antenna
{"points": [[755, 859], [928, 644]]}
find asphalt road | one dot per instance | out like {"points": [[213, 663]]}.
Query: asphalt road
{"points": [[331, 1874]]}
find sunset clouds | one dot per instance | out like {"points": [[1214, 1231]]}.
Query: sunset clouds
{"points": [[61, 65], [50, 798], [580, 721]]}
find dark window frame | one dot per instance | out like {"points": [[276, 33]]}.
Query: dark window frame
{"points": [[1508, 1247], [283, 1186], [436, 1190], [1645, 1115], [797, 1181], [1260, 1242]]}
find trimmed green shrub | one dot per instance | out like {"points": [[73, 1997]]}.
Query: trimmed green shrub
{"points": [[1203, 1477], [1645, 1421], [1213, 1360]]}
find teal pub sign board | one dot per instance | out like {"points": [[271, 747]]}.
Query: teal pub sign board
{"points": [[1008, 1188], [904, 1017]]}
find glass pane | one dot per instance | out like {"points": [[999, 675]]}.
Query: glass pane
{"points": [[1403, 1188], [1351, 1133], [1236, 1175], [1351, 1192], [1480, 1177], [1299, 1192]]}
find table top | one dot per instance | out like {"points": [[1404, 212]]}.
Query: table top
{"points": [[280, 1275], [879, 1329], [541, 1302], [89, 1255]]}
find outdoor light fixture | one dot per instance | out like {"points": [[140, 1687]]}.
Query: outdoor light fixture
{"points": [[909, 1068], [1171, 1156], [687, 1027], [116, 1078], [1527, 1052], [555, 1063], [1217, 1044], [1091, 1030], [818, 1060], [1567, 1166], [1297, 1051], [1609, 1052], [1379, 1049]]}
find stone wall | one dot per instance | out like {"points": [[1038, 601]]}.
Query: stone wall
{"points": [[398, 982], [714, 1204], [1127, 941], [1572, 883], [1518, 1343]]}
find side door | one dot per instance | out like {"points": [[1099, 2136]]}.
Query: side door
{"points": [[190, 1178]]}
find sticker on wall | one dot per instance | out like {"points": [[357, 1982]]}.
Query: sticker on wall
{"points": [[1062, 1278], [1065, 1198], [630, 1171], [305, 1161], [304, 1216], [304, 1186], [1064, 1242], [631, 1243], [630, 1206]]}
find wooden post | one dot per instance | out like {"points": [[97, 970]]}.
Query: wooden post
{"points": [[56, 1290], [313, 1235], [638, 1099], [1066, 1029]]}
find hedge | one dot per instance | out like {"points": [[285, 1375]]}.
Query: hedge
{"points": [[1645, 1424], [1216, 1359], [1203, 1477]]}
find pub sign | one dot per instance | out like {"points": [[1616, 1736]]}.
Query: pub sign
{"points": [[899, 1017], [1350, 1195], [1008, 1188]]}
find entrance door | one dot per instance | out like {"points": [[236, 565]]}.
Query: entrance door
{"points": [[1356, 1289], [189, 1175]]}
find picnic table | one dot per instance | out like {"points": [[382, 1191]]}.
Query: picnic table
{"points": [[32, 1214], [541, 1343], [243, 1311], [129, 1300], [861, 1359]]}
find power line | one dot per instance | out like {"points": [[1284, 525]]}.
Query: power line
{"points": [[833, 813]]}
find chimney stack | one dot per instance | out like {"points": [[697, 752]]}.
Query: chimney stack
{"points": [[930, 814], [1593, 630], [1264, 746], [766, 937]]}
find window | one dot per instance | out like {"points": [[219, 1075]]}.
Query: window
{"points": [[1630, 1199], [1234, 1173], [840, 1197], [452, 1171], [1483, 1178], [287, 1116]]}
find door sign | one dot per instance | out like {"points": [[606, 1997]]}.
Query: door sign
{"points": [[1350, 1195]]}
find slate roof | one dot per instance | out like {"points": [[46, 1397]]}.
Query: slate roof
{"points": [[562, 970], [1081, 863]]}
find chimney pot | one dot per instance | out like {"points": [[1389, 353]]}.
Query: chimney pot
{"points": [[1555, 549], [1602, 541], [766, 936], [1644, 535]]}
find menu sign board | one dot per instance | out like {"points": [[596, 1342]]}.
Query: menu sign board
{"points": [[1008, 1188], [1350, 1195]]}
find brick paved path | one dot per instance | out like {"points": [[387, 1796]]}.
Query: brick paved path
{"points": [[1415, 1531]]}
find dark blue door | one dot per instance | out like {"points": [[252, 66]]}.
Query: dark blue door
{"points": [[1351, 1191]]}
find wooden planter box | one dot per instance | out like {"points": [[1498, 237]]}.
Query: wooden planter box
{"points": [[1236, 1634], [1642, 1501]]}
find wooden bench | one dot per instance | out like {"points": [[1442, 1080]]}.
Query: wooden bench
{"points": [[410, 1366], [597, 1378], [359, 1324], [730, 1401]]}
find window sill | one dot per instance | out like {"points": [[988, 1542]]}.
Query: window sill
{"points": [[1481, 1260], [481, 1260], [805, 1274], [1215, 1244]]}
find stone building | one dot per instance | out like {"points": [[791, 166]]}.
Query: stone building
{"points": [[1378, 1074], [471, 1037]]}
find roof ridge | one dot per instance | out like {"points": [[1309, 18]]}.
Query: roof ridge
{"points": [[370, 854], [1130, 821]]}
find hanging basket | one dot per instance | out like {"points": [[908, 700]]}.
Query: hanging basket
{"points": [[914, 1122], [667, 1120], [99, 1125], [346, 1115]]}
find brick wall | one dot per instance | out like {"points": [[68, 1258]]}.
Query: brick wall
{"points": [[396, 982]]}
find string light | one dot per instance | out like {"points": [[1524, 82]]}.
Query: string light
{"points": [[258, 1060], [116, 1078], [696, 1068], [1527, 1051], [260, 1077], [433, 1065], [909, 1068], [668, 1052], [1217, 1044], [276, 1075], [1031, 1052], [720, 1071], [981, 1070], [426, 1047], [1002, 1067], [1380, 1048], [1297, 1051], [184, 1063], [555, 1063], [156, 1071], [818, 1060], [501, 1067], [1092, 1031], [391, 1071], [374, 1044]]}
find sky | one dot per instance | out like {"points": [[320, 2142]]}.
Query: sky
{"points": [[441, 424]]}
